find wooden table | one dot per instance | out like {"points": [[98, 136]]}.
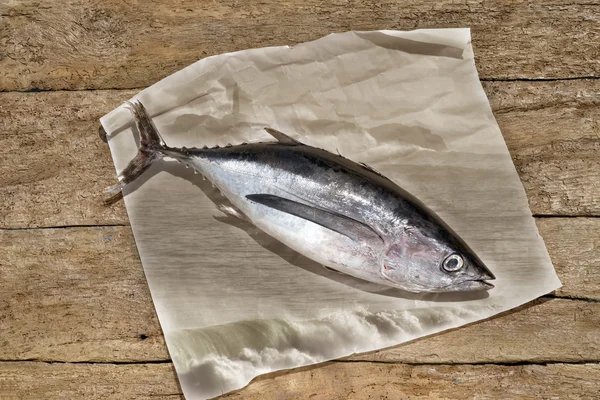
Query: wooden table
{"points": [[76, 318]]}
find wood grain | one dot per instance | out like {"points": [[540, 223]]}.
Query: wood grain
{"points": [[329, 381], [38, 380], [353, 381], [567, 329], [573, 248], [80, 44], [79, 294], [551, 130], [55, 167], [76, 295]]}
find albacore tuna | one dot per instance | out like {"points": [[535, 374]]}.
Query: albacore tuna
{"points": [[337, 212]]}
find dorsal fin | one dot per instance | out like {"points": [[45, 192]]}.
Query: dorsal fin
{"points": [[281, 137], [367, 166]]}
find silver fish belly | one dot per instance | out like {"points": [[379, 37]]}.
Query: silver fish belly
{"points": [[332, 210]]}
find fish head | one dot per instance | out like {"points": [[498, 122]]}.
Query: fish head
{"points": [[422, 260]]}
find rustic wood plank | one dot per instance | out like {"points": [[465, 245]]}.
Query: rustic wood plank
{"points": [[551, 130], [38, 380], [76, 295], [353, 381], [331, 381], [79, 44], [55, 167], [512, 337], [79, 294], [573, 248]]}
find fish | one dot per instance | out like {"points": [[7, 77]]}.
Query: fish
{"points": [[337, 212]]}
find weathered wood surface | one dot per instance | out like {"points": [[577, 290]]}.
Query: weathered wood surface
{"points": [[76, 44], [76, 295], [79, 294], [551, 130], [39, 380], [353, 381], [329, 381], [55, 167], [573, 248]]}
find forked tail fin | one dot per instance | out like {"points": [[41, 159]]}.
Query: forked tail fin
{"points": [[150, 150]]}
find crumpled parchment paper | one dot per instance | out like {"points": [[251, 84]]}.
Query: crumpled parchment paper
{"points": [[234, 303]]}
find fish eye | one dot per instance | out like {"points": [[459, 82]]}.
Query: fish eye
{"points": [[453, 263]]}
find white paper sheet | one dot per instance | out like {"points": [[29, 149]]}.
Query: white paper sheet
{"points": [[234, 303]]}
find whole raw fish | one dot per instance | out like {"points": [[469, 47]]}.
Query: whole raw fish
{"points": [[332, 210]]}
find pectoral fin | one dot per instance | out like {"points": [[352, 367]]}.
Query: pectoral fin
{"points": [[233, 211], [339, 223], [332, 270]]}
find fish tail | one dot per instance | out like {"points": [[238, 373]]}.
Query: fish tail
{"points": [[151, 149]]}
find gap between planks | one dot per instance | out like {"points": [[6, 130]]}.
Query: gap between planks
{"points": [[537, 79], [572, 298], [540, 216], [169, 361], [109, 225], [83, 226]]}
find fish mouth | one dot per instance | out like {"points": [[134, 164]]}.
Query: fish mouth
{"points": [[470, 286], [473, 285]]}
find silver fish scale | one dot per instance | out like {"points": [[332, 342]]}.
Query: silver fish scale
{"points": [[310, 175]]}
